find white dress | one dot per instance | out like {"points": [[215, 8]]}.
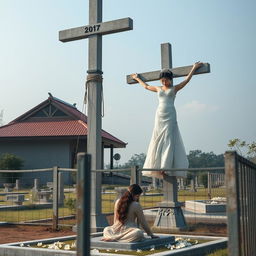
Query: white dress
{"points": [[128, 232], [166, 149]]}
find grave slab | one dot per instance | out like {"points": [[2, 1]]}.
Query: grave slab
{"points": [[203, 206], [145, 244]]}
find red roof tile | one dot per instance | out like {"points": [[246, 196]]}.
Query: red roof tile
{"points": [[50, 129], [24, 126]]}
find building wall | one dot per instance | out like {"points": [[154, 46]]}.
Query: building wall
{"points": [[39, 154]]}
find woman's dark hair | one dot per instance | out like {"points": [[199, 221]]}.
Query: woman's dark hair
{"points": [[166, 73], [126, 200]]}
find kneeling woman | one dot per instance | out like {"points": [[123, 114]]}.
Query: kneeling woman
{"points": [[127, 210]]}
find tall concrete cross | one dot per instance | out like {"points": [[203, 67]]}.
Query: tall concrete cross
{"points": [[166, 62], [170, 215], [94, 32]]}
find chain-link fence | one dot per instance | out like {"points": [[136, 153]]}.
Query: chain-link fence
{"points": [[42, 196], [48, 196]]}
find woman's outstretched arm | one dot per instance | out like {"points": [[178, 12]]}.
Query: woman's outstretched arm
{"points": [[189, 76], [142, 220], [145, 85]]}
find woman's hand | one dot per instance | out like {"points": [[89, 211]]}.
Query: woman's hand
{"points": [[135, 76], [197, 65], [154, 236]]}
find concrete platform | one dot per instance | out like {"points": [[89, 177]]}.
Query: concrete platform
{"points": [[145, 244], [14, 249], [218, 217], [202, 206]]}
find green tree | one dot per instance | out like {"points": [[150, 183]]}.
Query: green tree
{"points": [[243, 148], [136, 160], [203, 179], [10, 162], [198, 159]]}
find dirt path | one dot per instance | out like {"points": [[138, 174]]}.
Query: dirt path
{"points": [[17, 233]]}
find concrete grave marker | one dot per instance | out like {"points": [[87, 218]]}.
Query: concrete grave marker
{"points": [[17, 184]]}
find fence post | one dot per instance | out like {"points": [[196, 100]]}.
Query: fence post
{"points": [[55, 199], [193, 183], [83, 204], [209, 183], [134, 175], [232, 203]]}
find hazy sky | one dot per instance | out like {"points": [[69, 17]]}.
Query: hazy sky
{"points": [[212, 109]]}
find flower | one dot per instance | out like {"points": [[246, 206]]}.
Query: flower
{"points": [[168, 246], [94, 251], [53, 246], [73, 245], [67, 247], [152, 248], [59, 244]]}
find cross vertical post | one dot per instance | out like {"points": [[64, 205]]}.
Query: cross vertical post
{"points": [[94, 32], [166, 56], [170, 185], [94, 115]]}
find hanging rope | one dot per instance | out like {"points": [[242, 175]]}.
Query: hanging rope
{"points": [[94, 78]]}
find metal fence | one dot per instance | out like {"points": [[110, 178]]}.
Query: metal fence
{"points": [[49, 197], [43, 196], [201, 195], [241, 207]]}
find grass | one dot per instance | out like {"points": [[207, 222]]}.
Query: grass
{"points": [[112, 251], [223, 252], [152, 201], [107, 204], [31, 214]]}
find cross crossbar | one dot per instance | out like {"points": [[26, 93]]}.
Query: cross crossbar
{"points": [[103, 28], [177, 72]]}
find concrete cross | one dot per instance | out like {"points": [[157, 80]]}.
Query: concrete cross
{"points": [[166, 62], [94, 32], [170, 215]]}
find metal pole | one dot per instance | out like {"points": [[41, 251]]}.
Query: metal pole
{"points": [[55, 199], [83, 204], [134, 175], [209, 185], [233, 208], [111, 156]]}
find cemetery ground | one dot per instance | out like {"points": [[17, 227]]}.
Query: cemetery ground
{"points": [[108, 198], [19, 233]]}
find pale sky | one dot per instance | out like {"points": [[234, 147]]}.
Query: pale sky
{"points": [[212, 109]]}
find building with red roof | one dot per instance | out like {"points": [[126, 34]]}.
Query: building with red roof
{"points": [[50, 134]]}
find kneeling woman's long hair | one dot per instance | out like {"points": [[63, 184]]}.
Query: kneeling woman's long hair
{"points": [[126, 200]]}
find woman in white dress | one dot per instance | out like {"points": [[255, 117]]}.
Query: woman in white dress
{"points": [[166, 149], [127, 213]]}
